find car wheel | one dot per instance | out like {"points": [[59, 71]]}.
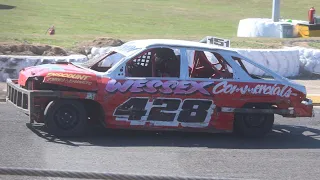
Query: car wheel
{"points": [[253, 124], [65, 118]]}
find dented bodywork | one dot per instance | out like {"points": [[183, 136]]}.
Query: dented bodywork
{"points": [[67, 75], [201, 96]]}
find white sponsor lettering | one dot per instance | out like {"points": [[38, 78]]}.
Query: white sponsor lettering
{"points": [[224, 87], [190, 87]]}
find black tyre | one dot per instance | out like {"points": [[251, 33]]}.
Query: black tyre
{"points": [[65, 118], [253, 125]]}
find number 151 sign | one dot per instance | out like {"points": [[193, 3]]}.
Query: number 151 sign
{"points": [[218, 41]]}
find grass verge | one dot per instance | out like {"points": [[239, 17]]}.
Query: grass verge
{"points": [[81, 20]]}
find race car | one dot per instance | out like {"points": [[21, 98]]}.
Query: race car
{"points": [[158, 84]]}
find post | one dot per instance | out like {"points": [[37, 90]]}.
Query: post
{"points": [[276, 10]]}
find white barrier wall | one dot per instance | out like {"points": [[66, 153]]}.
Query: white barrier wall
{"points": [[283, 61], [95, 52], [287, 62], [264, 27], [11, 65], [309, 59]]}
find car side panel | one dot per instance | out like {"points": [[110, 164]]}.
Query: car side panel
{"points": [[177, 92]]}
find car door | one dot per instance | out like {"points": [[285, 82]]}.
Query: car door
{"points": [[211, 71], [144, 97]]}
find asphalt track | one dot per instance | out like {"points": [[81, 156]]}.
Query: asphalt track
{"points": [[292, 151]]}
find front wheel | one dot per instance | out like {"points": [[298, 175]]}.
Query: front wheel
{"points": [[65, 118], [253, 125]]}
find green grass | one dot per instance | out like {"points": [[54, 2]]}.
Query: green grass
{"points": [[79, 20], [315, 44]]}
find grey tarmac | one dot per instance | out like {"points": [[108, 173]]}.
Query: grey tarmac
{"points": [[291, 151]]}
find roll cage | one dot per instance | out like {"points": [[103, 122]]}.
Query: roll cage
{"points": [[229, 64]]}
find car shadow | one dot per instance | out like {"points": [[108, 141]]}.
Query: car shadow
{"points": [[6, 7], [282, 137]]}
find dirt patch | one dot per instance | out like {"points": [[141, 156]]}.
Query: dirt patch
{"points": [[301, 42], [31, 50], [99, 42], [47, 50], [81, 48]]}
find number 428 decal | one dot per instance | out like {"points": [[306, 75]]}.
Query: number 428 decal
{"points": [[166, 112]]}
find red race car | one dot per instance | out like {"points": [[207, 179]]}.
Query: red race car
{"points": [[158, 85]]}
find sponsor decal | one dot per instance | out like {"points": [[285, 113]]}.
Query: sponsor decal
{"points": [[190, 87], [71, 81], [71, 76]]}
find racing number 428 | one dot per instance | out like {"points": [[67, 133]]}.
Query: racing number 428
{"points": [[165, 110]]}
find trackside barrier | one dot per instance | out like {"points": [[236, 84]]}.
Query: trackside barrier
{"points": [[288, 62], [93, 175], [10, 65]]}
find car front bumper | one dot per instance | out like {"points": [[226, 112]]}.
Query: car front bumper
{"points": [[23, 99]]}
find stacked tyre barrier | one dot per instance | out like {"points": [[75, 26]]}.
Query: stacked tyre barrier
{"points": [[288, 62], [11, 65]]}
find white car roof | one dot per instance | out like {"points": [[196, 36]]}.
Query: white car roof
{"points": [[145, 43]]}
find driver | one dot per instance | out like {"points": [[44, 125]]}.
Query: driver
{"points": [[166, 63]]}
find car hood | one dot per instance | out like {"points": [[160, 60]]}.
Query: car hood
{"points": [[60, 74]]}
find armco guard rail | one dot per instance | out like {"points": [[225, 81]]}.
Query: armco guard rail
{"points": [[92, 175]]}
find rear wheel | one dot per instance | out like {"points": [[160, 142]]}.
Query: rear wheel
{"points": [[65, 118], [253, 124]]}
